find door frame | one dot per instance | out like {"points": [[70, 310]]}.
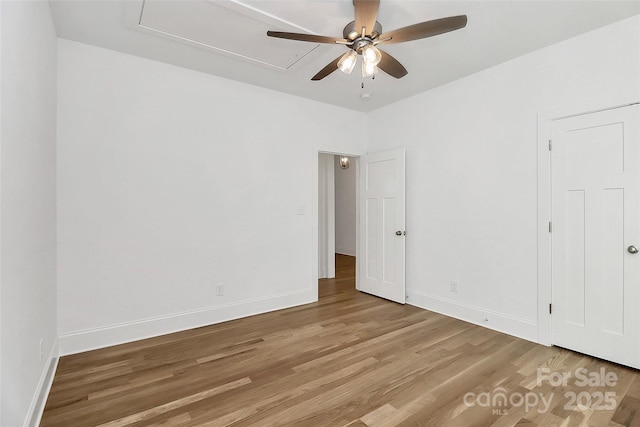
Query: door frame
{"points": [[316, 221], [545, 119], [326, 219]]}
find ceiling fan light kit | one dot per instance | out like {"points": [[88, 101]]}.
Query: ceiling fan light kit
{"points": [[368, 69], [371, 54], [362, 36], [348, 62]]}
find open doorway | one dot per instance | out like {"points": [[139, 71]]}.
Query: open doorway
{"points": [[337, 222]]}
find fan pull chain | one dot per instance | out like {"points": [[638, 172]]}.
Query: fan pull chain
{"points": [[362, 84]]}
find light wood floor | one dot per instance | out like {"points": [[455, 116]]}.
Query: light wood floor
{"points": [[349, 359]]}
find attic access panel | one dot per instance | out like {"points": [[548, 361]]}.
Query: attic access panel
{"points": [[229, 28]]}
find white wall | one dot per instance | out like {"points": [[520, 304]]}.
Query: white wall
{"points": [[28, 210], [345, 191], [471, 171], [171, 181]]}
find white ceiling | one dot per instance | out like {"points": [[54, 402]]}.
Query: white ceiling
{"points": [[228, 38]]}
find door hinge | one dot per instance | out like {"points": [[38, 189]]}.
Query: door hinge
{"points": [[549, 308], [550, 227], [549, 145]]}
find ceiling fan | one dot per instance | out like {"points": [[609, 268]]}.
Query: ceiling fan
{"points": [[365, 33]]}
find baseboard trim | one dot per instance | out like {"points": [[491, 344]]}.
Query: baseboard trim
{"points": [[511, 325], [343, 251], [36, 409], [92, 339]]}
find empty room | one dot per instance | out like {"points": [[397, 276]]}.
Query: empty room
{"points": [[319, 213]]}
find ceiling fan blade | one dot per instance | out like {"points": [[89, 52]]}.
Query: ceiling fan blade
{"points": [[306, 37], [328, 69], [366, 14], [391, 66], [424, 29]]}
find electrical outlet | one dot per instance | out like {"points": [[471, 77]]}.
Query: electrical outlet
{"points": [[219, 289], [454, 286]]}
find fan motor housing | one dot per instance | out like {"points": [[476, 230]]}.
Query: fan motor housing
{"points": [[352, 33]]}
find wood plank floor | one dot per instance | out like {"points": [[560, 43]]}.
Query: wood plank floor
{"points": [[349, 359]]}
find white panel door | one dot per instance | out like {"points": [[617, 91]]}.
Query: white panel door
{"points": [[595, 162], [381, 258]]}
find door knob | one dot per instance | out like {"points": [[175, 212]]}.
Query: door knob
{"points": [[398, 233], [632, 249]]}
